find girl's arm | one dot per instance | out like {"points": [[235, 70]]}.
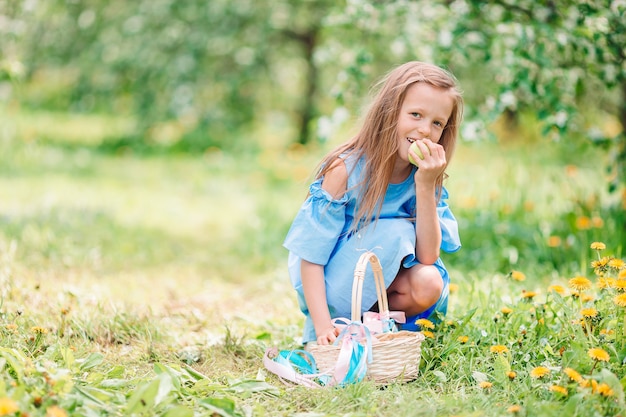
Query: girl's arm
{"points": [[314, 289], [313, 284], [427, 227]]}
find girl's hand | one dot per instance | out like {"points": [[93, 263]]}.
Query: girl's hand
{"points": [[327, 336], [433, 164]]}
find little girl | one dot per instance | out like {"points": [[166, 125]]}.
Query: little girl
{"points": [[368, 196]]}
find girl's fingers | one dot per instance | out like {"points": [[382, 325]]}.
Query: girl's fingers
{"points": [[331, 336], [328, 337], [434, 148]]}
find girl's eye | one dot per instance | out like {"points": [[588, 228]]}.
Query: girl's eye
{"points": [[414, 114], [439, 124]]}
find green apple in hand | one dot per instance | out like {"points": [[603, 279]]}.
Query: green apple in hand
{"points": [[417, 150]]}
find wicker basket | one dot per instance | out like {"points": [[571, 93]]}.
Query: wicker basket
{"points": [[395, 355]]}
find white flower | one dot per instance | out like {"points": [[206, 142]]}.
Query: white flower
{"points": [[471, 130], [560, 118], [508, 99], [445, 38]]}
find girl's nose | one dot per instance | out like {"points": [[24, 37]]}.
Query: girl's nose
{"points": [[424, 130]]}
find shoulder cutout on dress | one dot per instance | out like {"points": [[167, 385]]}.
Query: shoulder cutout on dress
{"points": [[335, 180]]}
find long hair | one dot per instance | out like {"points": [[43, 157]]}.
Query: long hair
{"points": [[377, 138]]}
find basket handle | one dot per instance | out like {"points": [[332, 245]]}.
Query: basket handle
{"points": [[357, 285]]}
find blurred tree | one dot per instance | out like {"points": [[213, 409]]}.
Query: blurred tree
{"points": [[303, 28], [11, 67], [195, 74], [563, 60], [189, 71]]}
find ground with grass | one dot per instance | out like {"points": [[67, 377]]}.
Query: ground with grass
{"points": [[152, 284]]}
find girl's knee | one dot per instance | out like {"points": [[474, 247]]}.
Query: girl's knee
{"points": [[416, 289], [427, 286]]}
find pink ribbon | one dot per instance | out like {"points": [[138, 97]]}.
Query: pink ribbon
{"points": [[343, 359], [374, 321], [348, 368]]}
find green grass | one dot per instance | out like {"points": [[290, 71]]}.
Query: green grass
{"points": [[151, 285]]}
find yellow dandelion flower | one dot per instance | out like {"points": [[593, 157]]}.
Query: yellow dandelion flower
{"points": [[607, 332], [425, 323], [518, 276], [554, 241], [428, 334], [469, 202], [583, 223], [619, 284], [453, 287], [579, 283], [600, 266], [559, 289], [589, 312], [573, 375], [598, 354], [498, 349], [606, 283], [597, 222], [586, 297], [39, 330], [514, 409], [539, 372], [604, 389], [511, 375], [559, 389], [485, 384], [622, 274], [598, 246], [598, 263], [7, 406], [506, 311], [12, 327], [571, 170], [529, 294], [617, 263], [55, 411], [463, 339], [620, 300]]}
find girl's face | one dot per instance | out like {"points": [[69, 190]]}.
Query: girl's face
{"points": [[423, 115]]}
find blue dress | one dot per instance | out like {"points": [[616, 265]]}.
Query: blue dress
{"points": [[320, 234]]}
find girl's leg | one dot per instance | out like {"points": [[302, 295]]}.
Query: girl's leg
{"points": [[415, 289]]}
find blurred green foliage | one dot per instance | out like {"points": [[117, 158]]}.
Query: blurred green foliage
{"points": [[196, 75], [195, 65]]}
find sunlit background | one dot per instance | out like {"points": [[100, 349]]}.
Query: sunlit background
{"points": [[153, 154]]}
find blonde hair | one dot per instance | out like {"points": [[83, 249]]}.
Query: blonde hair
{"points": [[377, 138]]}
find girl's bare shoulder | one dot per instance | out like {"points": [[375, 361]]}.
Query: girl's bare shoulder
{"points": [[336, 178]]}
